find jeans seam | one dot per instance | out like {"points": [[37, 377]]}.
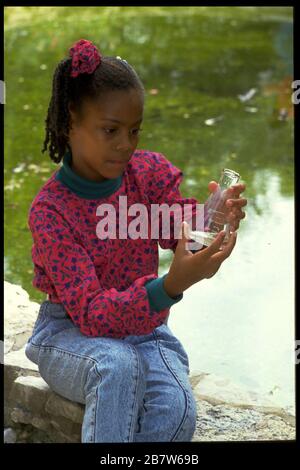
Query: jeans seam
{"points": [[164, 357], [135, 403], [95, 413], [93, 423]]}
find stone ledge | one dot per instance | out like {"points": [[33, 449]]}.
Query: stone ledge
{"points": [[32, 402]]}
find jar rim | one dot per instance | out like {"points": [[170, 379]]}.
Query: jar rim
{"points": [[232, 172]]}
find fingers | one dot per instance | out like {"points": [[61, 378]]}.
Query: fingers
{"points": [[212, 186], [214, 247], [238, 188], [235, 216], [226, 249], [236, 203]]}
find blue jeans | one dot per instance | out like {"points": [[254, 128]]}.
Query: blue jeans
{"points": [[134, 389]]}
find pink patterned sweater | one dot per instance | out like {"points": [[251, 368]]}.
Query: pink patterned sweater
{"points": [[108, 287]]}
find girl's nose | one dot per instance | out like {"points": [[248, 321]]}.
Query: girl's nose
{"points": [[123, 147], [124, 144]]}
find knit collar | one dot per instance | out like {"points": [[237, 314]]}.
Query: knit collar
{"points": [[83, 187]]}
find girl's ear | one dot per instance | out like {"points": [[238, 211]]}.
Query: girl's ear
{"points": [[71, 110], [75, 116], [72, 114]]}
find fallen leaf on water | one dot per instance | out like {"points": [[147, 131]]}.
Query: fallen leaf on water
{"points": [[37, 169], [247, 96], [213, 121], [11, 186], [19, 169], [32, 166], [250, 109], [153, 91]]}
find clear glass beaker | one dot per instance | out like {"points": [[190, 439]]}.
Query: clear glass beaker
{"points": [[216, 210]]}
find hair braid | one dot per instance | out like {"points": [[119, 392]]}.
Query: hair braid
{"points": [[57, 121]]}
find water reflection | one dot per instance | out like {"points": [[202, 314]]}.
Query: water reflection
{"points": [[241, 321]]}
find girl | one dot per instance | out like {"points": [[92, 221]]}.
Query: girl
{"points": [[101, 337]]}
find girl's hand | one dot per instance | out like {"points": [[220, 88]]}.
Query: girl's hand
{"points": [[188, 268], [233, 205]]}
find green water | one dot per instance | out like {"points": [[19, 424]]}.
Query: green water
{"points": [[194, 62]]}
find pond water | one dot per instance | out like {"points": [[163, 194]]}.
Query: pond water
{"points": [[218, 82]]}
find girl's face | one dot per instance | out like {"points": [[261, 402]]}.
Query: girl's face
{"points": [[104, 138]]}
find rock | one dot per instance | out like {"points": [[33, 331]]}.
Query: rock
{"points": [[15, 364], [18, 415], [20, 315], [228, 423], [59, 406], [220, 390], [40, 423], [195, 378], [18, 359], [35, 404], [31, 393], [10, 436]]}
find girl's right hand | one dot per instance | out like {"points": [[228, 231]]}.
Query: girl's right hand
{"points": [[188, 268]]}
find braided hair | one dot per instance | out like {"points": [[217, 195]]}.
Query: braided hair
{"points": [[112, 74]]}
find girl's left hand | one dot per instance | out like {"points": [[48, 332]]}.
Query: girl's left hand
{"points": [[233, 205]]}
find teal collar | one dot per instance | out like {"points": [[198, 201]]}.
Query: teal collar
{"points": [[85, 188]]}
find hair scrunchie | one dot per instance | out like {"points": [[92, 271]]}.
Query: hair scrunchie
{"points": [[85, 57]]}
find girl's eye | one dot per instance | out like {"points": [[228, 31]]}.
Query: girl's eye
{"points": [[111, 131], [136, 131]]}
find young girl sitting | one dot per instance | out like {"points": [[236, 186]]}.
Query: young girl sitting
{"points": [[101, 338]]}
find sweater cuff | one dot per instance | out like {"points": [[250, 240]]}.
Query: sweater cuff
{"points": [[158, 297]]}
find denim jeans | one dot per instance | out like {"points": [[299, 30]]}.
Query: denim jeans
{"points": [[134, 389]]}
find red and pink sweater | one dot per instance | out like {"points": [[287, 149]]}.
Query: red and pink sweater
{"points": [[108, 287]]}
